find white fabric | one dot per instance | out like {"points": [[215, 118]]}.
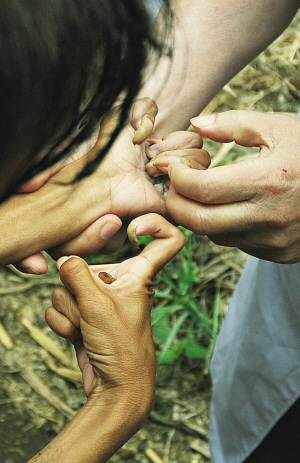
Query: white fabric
{"points": [[256, 360]]}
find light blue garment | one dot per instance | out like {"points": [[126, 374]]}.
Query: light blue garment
{"points": [[256, 360], [153, 7]]}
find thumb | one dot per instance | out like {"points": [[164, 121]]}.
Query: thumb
{"points": [[168, 241], [247, 128], [76, 275]]}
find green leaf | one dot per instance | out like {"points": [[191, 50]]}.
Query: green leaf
{"points": [[167, 357], [172, 335], [195, 350], [161, 329]]}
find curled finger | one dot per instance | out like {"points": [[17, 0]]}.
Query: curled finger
{"points": [[175, 141], [194, 158], [168, 241]]}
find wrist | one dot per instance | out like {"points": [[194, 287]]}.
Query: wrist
{"points": [[136, 397], [100, 428]]}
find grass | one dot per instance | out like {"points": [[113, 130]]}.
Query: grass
{"points": [[188, 307]]}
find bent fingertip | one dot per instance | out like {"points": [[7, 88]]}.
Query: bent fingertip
{"points": [[132, 233], [62, 260]]}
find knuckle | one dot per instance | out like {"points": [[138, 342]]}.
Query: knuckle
{"points": [[205, 158], [58, 296], [203, 191], [196, 140], [179, 236], [201, 224], [73, 266]]}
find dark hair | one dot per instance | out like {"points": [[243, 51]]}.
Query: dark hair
{"points": [[63, 64]]}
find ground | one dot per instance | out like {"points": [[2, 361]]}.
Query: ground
{"points": [[40, 388]]}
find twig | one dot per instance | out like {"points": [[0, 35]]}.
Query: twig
{"points": [[153, 456], [39, 386], [21, 288], [46, 342], [70, 374], [201, 447], [5, 339], [186, 428]]}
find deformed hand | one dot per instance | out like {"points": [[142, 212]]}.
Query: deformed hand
{"points": [[120, 183], [109, 322], [182, 146]]}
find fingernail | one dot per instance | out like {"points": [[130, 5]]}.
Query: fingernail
{"points": [[61, 261], [203, 121], [109, 229], [132, 232], [106, 277], [165, 161]]}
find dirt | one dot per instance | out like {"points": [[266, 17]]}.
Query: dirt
{"points": [[32, 395], [39, 395]]}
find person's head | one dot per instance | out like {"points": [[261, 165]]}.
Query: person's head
{"points": [[63, 63]]}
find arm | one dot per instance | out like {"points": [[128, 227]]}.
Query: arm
{"points": [[221, 38], [56, 216], [118, 364], [56, 213], [213, 40]]}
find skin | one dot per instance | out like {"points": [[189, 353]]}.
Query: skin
{"points": [[54, 207], [117, 364], [222, 56], [30, 218], [252, 204]]}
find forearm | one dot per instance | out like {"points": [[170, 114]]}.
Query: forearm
{"points": [[50, 216], [100, 428], [213, 40]]}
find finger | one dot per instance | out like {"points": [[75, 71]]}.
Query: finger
{"points": [[144, 131], [35, 264], [247, 128], [65, 303], [116, 241], [194, 158], [36, 182], [174, 141], [205, 219], [91, 240], [61, 325], [79, 279], [168, 241], [88, 376], [141, 107], [224, 184]]}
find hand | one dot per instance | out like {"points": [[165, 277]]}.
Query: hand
{"points": [[253, 204], [125, 168], [182, 146], [110, 323]]}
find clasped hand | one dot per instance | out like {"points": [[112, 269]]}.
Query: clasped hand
{"points": [[110, 323], [252, 204]]}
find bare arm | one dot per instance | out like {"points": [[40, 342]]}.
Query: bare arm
{"points": [[118, 364], [214, 40]]}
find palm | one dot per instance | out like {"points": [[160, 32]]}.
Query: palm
{"points": [[124, 166]]}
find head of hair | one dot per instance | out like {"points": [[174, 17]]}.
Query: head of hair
{"points": [[63, 64]]}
